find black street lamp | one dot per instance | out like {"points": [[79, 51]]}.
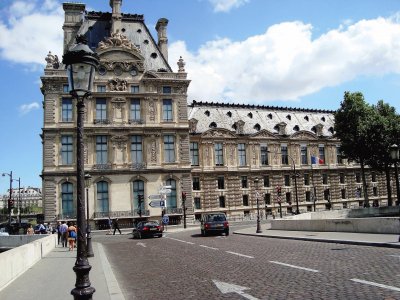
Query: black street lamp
{"points": [[81, 63], [89, 248], [258, 207], [394, 154], [19, 201], [9, 199]]}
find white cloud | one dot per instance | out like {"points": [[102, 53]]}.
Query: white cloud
{"points": [[285, 63], [26, 108], [31, 29], [227, 5]]}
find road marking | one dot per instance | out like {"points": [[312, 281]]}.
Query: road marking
{"points": [[208, 247], [393, 255], [141, 244], [293, 266], [190, 243], [239, 254], [226, 288], [393, 288]]}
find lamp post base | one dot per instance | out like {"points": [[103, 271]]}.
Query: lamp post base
{"points": [[82, 290], [258, 226]]}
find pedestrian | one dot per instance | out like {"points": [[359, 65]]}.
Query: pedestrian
{"points": [[42, 229], [109, 224], [30, 230], [116, 226], [71, 237], [58, 233], [64, 233]]}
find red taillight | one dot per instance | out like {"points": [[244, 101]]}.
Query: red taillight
{"points": [[146, 228], [226, 224], [206, 225], [158, 227]]}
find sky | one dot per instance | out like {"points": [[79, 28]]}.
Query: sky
{"points": [[290, 53]]}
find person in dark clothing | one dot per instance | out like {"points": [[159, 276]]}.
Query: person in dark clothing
{"points": [[116, 226]]}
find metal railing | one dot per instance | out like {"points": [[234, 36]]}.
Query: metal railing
{"points": [[121, 214]]}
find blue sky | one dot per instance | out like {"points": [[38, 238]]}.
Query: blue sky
{"points": [[297, 53]]}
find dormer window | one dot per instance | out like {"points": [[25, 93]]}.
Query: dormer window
{"points": [[323, 119], [289, 117], [207, 113], [213, 125], [250, 115], [234, 126], [330, 130], [306, 118], [269, 116], [257, 127], [296, 128], [229, 114]]}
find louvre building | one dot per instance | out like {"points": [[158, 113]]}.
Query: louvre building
{"points": [[140, 134]]}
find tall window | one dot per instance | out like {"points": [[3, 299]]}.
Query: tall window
{"points": [[65, 88], [138, 189], [134, 89], [221, 182], [101, 88], [288, 197], [245, 200], [136, 149], [219, 155], [308, 196], [196, 183], [324, 178], [373, 177], [194, 153], [102, 196], [343, 193], [358, 177], [264, 155], [66, 110], [135, 109], [306, 179], [171, 198], [285, 155], [242, 154], [303, 153], [321, 153], [169, 148], [222, 201], [266, 181], [341, 178], [101, 150], [339, 158], [101, 109], [267, 199], [66, 150], [167, 90], [326, 194], [287, 180], [67, 196], [244, 182], [167, 110], [197, 203]]}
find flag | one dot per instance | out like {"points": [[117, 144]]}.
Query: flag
{"points": [[316, 160]]}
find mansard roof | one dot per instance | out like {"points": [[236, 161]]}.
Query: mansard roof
{"points": [[251, 119], [96, 27]]}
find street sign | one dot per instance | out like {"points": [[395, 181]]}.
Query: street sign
{"points": [[166, 191], [165, 220], [155, 203], [154, 197]]}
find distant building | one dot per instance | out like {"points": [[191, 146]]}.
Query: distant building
{"points": [[25, 198]]}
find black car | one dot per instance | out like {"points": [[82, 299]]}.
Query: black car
{"points": [[214, 223], [147, 229]]}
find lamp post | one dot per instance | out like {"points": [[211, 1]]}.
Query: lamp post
{"points": [[19, 201], [394, 154], [81, 63], [258, 207], [9, 199], [89, 248]]}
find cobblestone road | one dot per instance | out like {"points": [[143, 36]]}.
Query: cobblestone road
{"points": [[187, 266]]}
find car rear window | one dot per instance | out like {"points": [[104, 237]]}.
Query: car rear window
{"points": [[216, 218]]}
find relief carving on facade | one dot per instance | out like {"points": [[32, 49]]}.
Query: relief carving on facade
{"points": [[118, 109], [119, 145], [118, 85], [153, 151], [117, 40], [232, 151], [52, 61], [254, 154], [152, 110], [193, 125]]}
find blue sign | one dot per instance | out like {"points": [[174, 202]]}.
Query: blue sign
{"points": [[165, 220]]}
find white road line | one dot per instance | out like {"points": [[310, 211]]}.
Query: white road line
{"points": [[239, 254], [208, 247], [190, 243], [393, 255], [393, 288], [293, 266]]}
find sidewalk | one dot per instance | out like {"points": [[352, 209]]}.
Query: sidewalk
{"points": [[366, 239], [53, 278]]}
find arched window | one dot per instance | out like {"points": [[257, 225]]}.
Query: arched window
{"points": [[102, 196], [138, 189], [67, 199], [171, 198], [213, 125]]}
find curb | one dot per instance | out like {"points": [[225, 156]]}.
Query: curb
{"points": [[359, 243]]}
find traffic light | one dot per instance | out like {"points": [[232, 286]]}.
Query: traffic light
{"points": [[10, 204], [279, 190], [140, 201]]}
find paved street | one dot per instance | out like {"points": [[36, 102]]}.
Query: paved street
{"points": [[184, 265]]}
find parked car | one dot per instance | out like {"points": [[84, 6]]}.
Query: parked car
{"points": [[214, 223], [147, 229]]}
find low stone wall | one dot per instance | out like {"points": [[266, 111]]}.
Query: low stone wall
{"points": [[12, 241], [361, 225], [16, 261]]}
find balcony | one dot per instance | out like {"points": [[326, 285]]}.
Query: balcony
{"points": [[101, 121], [102, 167], [70, 216], [138, 166], [137, 121], [174, 211]]}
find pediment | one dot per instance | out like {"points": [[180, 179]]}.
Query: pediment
{"points": [[118, 46], [150, 74], [303, 135], [265, 134], [218, 133]]}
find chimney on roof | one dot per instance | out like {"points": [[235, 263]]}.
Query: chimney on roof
{"points": [[116, 15], [161, 28], [73, 13]]}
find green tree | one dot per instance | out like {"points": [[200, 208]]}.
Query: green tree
{"points": [[382, 130], [351, 125]]}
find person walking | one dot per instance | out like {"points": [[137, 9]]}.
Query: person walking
{"points": [[116, 226], [30, 230], [71, 237], [64, 233], [109, 225], [58, 233]]}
